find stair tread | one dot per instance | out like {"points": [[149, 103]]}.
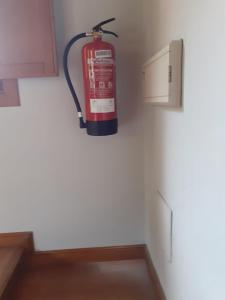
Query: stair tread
{"points": [[9, 259]]}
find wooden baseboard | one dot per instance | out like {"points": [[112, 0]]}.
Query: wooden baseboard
{"points": [[115, 253], [158, 290], [18, 239]]}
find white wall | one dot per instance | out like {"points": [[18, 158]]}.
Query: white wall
{"points": [[73, 190], [185, 149]]}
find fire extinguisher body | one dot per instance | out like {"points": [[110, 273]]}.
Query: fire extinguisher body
{"points": [[99, 75]]}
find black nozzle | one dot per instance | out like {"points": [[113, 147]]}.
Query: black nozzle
{"points": [[98, 27], [82, 123]]}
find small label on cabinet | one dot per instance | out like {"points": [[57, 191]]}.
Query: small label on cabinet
{"points": [[1, 87]]}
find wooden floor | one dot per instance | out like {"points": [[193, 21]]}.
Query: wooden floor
{"points": [[118, 280]]}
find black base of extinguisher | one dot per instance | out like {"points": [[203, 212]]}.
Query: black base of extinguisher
{"points": [[102, 128]]}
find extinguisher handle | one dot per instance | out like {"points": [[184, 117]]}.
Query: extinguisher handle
{"points": [[110, 32], [98, 27]]}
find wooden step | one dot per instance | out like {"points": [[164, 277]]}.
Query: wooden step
{"points": [[9, 260], [17, 239]]}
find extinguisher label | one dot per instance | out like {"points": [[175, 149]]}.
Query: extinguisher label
{"points": [[102, 105], [101, 81], [100, 61], [103, 53]]}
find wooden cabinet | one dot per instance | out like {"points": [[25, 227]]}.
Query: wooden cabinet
{"points": [[27, 39]]}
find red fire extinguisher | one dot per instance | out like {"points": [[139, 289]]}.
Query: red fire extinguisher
{"points": [[99, 82]]}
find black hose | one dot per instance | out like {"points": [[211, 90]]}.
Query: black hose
{"points": [[68, 78]]}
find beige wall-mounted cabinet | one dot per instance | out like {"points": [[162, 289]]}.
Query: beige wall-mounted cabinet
{"points": [[163, 76], [27, 39]]}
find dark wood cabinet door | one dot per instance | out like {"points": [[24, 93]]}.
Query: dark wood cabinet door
{"points": [[27, 39]]}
